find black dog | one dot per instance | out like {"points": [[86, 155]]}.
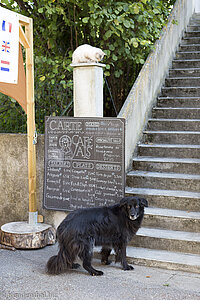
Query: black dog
{"points": [[109, 227]]}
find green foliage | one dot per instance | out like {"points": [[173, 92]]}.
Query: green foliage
{"points": [[125, 30], [12, 117]]}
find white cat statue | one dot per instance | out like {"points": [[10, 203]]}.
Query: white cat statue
{"points": [[87, 54]]}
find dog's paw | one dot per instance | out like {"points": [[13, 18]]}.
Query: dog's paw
{"points": [[96, 273], [128, 268], [106, 262]]}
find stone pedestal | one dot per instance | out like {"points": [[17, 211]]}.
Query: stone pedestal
{"points": [[22, 235], [88, 89]]}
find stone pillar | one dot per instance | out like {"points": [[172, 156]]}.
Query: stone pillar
{"points": [[88, 89]]}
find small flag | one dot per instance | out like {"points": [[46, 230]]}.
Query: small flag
{"points": [[6, 26], [4, 66], [9, 46], [16, 91], [6, 47]]}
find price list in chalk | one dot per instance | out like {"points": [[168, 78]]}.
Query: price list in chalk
{"points": [[84, 162]]}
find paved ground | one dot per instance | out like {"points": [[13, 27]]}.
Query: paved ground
{"points": [[22, 276]]}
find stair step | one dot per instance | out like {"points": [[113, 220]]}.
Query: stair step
{"points": [[195, 17], [187, 55], [172, 199], [167, 164], [174, 124], [176, 113], [179, 102], [191, 28], [171, 219], [181, 91], [164, 259], [192, 34], [185, 63], [159, 258], [163, 212], [169, 234], [189, 48], [182, 82], [169, 150], [195, 20], [190, 40], [194, 23], [188, 72], [173, 137], [171, 240], [173, 181]]}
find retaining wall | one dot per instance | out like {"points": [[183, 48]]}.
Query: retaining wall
{"points": [[14, 180]]}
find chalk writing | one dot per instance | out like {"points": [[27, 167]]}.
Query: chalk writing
{"points": [[84, 162]]}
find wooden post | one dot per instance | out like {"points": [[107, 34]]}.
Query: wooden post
{"points": [[31, 123]]}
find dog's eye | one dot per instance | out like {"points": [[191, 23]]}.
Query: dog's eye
{"points": [[137, 206]]}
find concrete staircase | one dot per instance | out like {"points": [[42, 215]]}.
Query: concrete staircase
{"points": [[167, 168]]}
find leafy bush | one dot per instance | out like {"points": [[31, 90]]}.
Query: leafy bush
{"points": [[125, 30]]}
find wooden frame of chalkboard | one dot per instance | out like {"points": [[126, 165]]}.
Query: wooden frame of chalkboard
{"points": [[84, 162]]}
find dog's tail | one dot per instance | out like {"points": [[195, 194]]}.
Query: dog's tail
{"points": [[57, 264], [64, 260]]}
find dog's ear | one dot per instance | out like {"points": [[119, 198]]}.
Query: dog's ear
{"points": [[123, 202], [143, 202]]}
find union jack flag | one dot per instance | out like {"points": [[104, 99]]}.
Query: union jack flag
{"points": [[6, 47]]}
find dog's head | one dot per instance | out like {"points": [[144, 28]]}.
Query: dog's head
{"points": [[134, 206]]}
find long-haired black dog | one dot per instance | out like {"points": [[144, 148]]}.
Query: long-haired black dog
{"points": [[109, 227]]}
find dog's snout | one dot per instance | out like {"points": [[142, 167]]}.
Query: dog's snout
{"points": [[134, 213]]}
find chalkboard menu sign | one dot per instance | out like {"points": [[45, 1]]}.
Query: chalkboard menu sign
{"points": [[84, 162]]}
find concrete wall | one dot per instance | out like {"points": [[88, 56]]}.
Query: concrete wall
{"points": [[148, 84], [197, 6], [14, 180]]}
